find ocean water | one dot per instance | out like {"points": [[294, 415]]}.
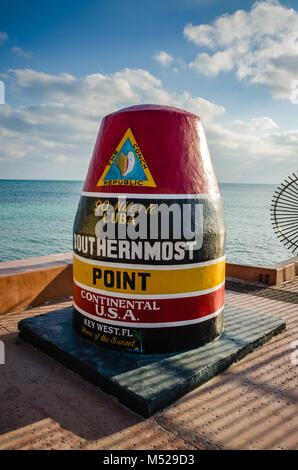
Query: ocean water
{"points": [[36, 219]]}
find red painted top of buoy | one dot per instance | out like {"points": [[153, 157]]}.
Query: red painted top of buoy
{"points": [[172, 142]]}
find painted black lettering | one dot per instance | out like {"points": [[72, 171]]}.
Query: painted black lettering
{"points": [[144, 279], [131, 281], [96, 274], [109, 280]]}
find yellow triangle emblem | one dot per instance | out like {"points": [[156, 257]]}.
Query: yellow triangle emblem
{"points": [[127, 166]]}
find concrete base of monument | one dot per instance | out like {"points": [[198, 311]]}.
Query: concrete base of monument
{"points": [[148, 383]]}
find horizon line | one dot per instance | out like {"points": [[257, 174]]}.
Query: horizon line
{"points": [[78, 180]]}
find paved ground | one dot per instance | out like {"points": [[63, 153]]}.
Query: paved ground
{"points": [[252, 405]]}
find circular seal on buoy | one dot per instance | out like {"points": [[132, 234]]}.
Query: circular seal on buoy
{"points": [[149, 235]]}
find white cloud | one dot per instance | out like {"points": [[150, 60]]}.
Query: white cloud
{"points": [[95, 95], [170, 62], [20, 52], [247, 157], [201, 107], [163, 58], [201, 35], [260, 124], [212, 65], [260, 45], [3, 37], [63, 128], [60, 132]]}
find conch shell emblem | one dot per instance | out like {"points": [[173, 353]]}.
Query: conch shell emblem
{"points": [[125, 163]]}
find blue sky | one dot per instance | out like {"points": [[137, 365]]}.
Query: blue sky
{"points": [[65, 64]]}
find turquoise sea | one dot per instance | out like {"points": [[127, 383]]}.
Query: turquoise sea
{"points": [[36, 218]]}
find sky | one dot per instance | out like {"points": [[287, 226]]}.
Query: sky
{"points": [[65, 64]]}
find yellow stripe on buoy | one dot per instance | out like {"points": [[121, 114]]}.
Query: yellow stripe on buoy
{"points": [[148, 281]]}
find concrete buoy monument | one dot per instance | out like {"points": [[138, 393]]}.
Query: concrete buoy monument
{"points": [[149, 267], [149, 235]]}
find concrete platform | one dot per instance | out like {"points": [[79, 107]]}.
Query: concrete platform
{"points": [[149, 383], [251, 405]]}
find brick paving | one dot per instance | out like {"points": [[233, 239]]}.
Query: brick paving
{"points": [[252, 405]]}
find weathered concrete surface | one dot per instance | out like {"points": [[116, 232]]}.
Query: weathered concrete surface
{"points": [[148, 383], [251, 405], [34, 281]]}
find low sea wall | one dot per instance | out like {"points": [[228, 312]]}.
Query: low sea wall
{"points": [[34, 281]]}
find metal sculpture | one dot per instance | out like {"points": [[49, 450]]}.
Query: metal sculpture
{"points": [[284, 212]]}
